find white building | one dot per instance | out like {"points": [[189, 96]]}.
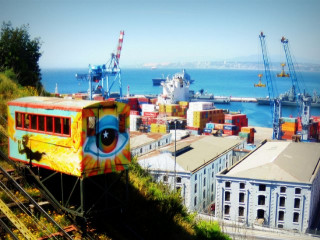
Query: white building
{"points": [[143, 143], [277, 185], [197, 164]]}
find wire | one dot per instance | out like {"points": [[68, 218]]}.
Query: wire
{"points": [[24, 209]]}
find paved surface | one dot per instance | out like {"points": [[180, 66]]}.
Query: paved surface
{"points": [[239, 231]]}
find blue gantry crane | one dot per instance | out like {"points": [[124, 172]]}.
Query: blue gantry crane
{"points": [[103, 73], [303, 99], [275, 102]]}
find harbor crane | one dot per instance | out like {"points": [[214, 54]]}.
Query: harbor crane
{"points": [[275, 102], [100, 73], [303, 99], [283, 74], [260, 84]]}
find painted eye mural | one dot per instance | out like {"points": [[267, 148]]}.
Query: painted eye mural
{"points": [[106, 145]]}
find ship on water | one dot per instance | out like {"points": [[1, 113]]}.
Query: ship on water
{"points": [[158, 81], [176, 89], [289, 98]]}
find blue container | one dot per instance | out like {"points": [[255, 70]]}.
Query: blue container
{"points": [[210, 125], [207, 130], [230, 127]]}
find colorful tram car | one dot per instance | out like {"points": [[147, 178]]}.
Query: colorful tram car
{"points": [[76, 137]]}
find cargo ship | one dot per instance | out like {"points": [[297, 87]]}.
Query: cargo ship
{"points": [[289, 99], [202, 96], [158, 81]]}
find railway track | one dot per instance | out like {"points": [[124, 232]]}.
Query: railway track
{"points": [[23, 215]]}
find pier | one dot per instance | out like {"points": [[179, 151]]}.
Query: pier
{"points": [[237, 99]]}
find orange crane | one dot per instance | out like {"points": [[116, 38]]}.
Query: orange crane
{"points": [[283, 74], [260, 84]]}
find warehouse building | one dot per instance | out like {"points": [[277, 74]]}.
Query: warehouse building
{"points": [[277, 185], [197, 163]]}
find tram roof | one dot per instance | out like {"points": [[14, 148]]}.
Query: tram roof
{"points": [[57, 103]]}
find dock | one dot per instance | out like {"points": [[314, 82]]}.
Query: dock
{"points": [[242, 99], [236, 99]]}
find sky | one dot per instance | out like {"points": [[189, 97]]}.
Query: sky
{"points": [[75, 33]]}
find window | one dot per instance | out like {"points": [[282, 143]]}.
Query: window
{"points": [[242, 185], [260, 213], [66, 125], [211, 197], [297, 191], [241, 211], [57, 125], [204, 171], [195, 177], [204, 182], [226, 209], [227, 184], [150, 146], [49, 121], [195, 201], [297, 203], [165, 178], [195, 188], [295, 217], [204, 194], [282, 189], [280, 225], [262, 187], [34, 122], [241, 197], [281, 216], [26, 121], [18, 120], [212, 187], [178, 179], [282, 202], [227, 196], [204, 204], [261, 200], [42, 123]]}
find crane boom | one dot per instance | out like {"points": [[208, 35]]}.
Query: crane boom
{"points": [[303, 100], [119, 46], [275, 103], [291, 67]]}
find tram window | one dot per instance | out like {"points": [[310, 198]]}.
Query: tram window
{"points": [[91, 126], [66, 126], [49, 124], [41, 123], [26, 120], [19, 119], [57, 125], [34, 122], [122, 123]]}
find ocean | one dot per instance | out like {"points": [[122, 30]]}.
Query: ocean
{"points": [[236, 83]]}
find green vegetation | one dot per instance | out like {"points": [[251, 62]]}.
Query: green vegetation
{"points": [[155, 212], [21, 54]]}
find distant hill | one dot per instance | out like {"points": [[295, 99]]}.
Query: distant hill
{"points": [[236, 65]]}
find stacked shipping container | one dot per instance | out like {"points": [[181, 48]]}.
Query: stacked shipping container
{"points": [[247, 133]]}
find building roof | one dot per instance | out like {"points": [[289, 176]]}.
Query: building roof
{"points": [[57, 103], [279, 161], [139, 139], [202, 151]]}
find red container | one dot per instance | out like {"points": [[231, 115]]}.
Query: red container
{"points": [[150, 114], [134, 112]]}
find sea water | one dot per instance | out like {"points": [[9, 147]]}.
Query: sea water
{"points": [[236, 83]]}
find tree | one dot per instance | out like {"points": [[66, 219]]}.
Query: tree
{"points": [[21, 54]]}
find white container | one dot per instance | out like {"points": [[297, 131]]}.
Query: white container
{"points": [[200, 106], [148, 107]]}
